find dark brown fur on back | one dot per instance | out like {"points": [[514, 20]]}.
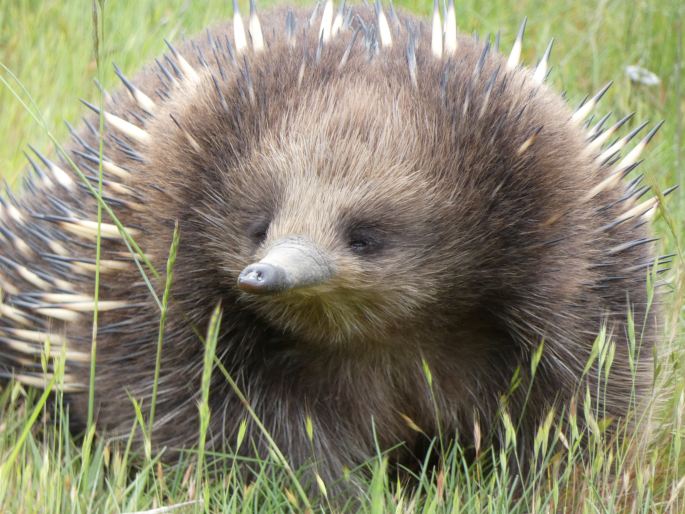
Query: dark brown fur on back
{"points": [[473, 186]]}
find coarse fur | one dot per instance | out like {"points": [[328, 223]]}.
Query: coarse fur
{"points": [[474, 189]]}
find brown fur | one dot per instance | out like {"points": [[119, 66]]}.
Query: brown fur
{"points": [[483, 251]]}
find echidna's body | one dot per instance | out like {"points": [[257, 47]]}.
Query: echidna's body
{"points": [[405, 199]]}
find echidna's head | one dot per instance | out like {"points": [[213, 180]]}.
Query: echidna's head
{"points": [[353, 205], [333, 227]]}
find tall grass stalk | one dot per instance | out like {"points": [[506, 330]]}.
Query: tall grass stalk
{"points": [[171, 260]]}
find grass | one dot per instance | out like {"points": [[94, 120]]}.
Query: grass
{"points": [[48, 46]]}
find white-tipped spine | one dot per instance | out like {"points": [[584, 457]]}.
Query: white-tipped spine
{"points": [[610, 181], [15, 214], [7, 287], [436, 38], [603, 137], [383, 26], [7, 311], [187, 69], [127, 128], [645, 208], [88, 229], [62, 177], [339, 20], [515, 55], [450, 29], [585, 109], [256, 29], [41, 381], [34, 336], [326, 22], [632, 156], [56, 350], [104, 265], [618, 145], [115, 170], [61, 314], [239, 36], [32, 278], [144, 102], [58, 248], [88, 306], [540, 73], [64, 297], [23, 248]]}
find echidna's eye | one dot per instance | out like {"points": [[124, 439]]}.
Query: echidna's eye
{"points": [[364, 240], [359, 245], [258, 231]]}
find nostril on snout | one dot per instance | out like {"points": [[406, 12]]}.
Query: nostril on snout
{"points": [[262, 278], [255, 275]]}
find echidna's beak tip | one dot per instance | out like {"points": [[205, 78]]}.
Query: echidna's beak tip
{"points": [[262, 278], [290, 263]]}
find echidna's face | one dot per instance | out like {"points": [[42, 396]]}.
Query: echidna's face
{"points": [[358, 207], [331, 231]]}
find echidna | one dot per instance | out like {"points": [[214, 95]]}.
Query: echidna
{"points": [[371, 201]]}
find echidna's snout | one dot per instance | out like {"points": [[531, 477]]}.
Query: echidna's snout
{"points": [[290, 263], [262, 277]]}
